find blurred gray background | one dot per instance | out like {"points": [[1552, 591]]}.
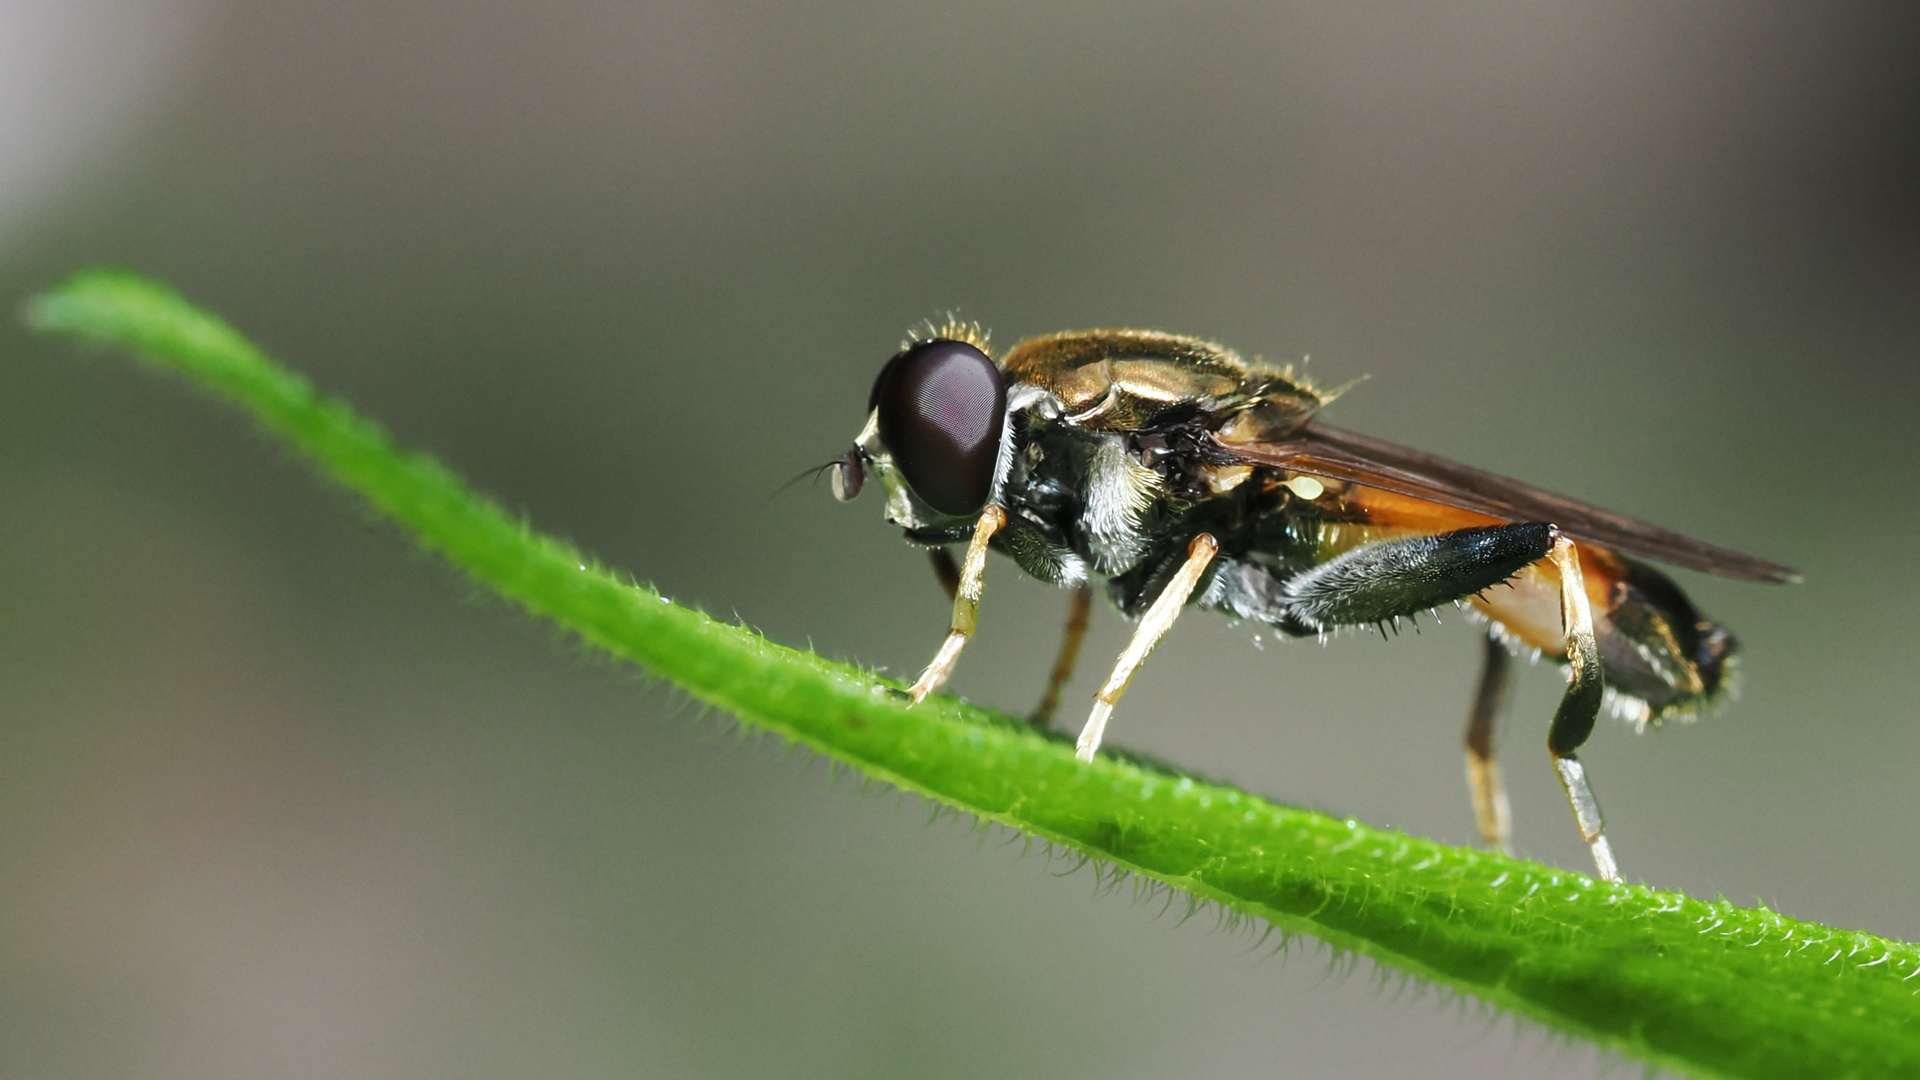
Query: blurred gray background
{"points": [[280, 797]]}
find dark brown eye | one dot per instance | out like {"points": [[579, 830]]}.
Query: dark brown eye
{"points": [[941, 406]]}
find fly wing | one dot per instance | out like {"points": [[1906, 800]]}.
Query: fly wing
{"points": [[1360, 459]]}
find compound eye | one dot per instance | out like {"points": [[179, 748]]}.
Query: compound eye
{"points": [[942, 404]]}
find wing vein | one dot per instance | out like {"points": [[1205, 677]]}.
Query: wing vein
{"points": [[1361, 459]]}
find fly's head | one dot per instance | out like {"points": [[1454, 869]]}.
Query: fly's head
{"points": [[935, 432]]}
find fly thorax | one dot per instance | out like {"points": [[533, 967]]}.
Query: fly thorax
{"points": [[1119, 492]]}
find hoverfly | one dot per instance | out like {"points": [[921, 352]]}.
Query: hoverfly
{"points": [[1183, 474]]}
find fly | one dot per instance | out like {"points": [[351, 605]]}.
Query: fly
{"points": [[1180, 474]]}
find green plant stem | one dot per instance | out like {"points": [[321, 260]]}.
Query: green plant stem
{"points": [[1702, 987]]}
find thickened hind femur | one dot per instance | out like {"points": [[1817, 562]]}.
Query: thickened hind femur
{"points": [[942, 408]]}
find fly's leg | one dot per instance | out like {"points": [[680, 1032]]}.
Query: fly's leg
{"points": [[1153, 626], [1077, 611], [966, 606], [1381, 583], [946, 570], [1573, 721], [1377, 584], [1483, 772]]}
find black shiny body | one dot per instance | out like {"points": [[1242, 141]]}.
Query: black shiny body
{"points": [[1119, 447], [1179, 474], [1269, 538]]}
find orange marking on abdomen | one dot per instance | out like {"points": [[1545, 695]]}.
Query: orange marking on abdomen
{"points": [[1396, 511], [1528, 605]]}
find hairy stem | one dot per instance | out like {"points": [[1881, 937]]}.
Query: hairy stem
{"points": [[1707, 988]]}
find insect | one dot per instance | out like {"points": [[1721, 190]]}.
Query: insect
{"points": [[1181, 474]]}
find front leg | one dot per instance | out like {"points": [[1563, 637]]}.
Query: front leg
{"points": [[946, 570], [966, 606]]}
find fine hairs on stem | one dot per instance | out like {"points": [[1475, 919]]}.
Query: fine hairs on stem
{"points": [[1706, 988]]}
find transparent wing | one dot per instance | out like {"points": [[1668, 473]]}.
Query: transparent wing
{"points": [[1360, 459]]}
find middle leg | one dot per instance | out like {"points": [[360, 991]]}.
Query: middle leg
{"points": [[1153, 626], [1078, 609]]}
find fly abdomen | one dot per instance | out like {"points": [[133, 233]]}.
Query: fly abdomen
{"points": [[1658, 648]]}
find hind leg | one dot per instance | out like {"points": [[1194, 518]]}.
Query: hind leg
{"points": [[1483, 772], [1573, 721], [1380, 583]]}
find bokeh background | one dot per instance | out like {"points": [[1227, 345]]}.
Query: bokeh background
{"points": [[281, 797]]}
